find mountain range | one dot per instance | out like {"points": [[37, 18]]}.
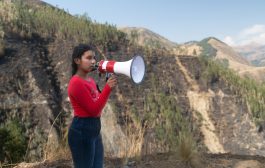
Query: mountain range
{"points": [[245, 60], [254, 53]]}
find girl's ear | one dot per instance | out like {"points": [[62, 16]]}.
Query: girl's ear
{"points": [[77, 61]]}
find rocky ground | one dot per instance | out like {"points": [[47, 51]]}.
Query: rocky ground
{"points": [[165, 160]]}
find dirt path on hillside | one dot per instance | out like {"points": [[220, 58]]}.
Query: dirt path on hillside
{"points": [[200, 102], [187, 77]]}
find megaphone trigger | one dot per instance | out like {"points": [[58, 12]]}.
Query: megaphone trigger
{"points": [[108, 75]]}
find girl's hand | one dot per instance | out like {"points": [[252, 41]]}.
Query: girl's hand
{"points": [[112, 81]]}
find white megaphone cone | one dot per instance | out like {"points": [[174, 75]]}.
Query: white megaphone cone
{"points": [[134, 68]]}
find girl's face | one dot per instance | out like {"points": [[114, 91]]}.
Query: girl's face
{"points": [[87, 61]]}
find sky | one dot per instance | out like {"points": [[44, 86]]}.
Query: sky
{"points": [[236, 22]]}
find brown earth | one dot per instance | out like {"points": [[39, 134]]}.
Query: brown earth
{"points": [[165, 160]]}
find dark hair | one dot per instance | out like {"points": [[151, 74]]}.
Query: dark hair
{"points": [[77, 53]]}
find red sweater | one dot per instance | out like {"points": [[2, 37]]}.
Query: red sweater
{"points": [[85, 98]]}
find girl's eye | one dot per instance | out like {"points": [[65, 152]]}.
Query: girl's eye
{"points": [[89, 58]]}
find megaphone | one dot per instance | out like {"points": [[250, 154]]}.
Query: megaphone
{"points": [[134, 68]]}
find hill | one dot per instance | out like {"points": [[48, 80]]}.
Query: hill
{"points": [[208, 46], [145, 37], [254, 53], [236, 62]]}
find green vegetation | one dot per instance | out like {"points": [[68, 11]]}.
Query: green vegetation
{"points": [[134, 36], [163, 112], [208, 51], [223, 62], [172, 126], [250, 91], [47, 22], [13, 143]]}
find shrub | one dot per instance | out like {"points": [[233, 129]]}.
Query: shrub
{"points": [[208, 51], [13, 142], [251, 92], [186, 150]]}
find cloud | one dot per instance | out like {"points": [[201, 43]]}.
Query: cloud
{"points": [[251, 35], [254, 30], [229, 40]]}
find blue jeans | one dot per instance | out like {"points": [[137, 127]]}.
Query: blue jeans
{"points": [[85, 143]]}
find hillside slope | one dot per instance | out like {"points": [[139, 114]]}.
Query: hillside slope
{"points": [[145, 37], [236, 62], [210, 47], [253, 53]]}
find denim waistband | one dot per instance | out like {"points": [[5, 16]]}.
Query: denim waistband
{"points": [[86, 123]]}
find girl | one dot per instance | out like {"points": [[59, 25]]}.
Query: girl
{"points": [[84, 136]]}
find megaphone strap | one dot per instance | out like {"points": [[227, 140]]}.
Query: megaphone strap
{"points": [[98, 88]]}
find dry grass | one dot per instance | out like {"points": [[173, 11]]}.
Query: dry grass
{"points": [[8, 11], [2, 45], [132, 147], [134, 143], [57, 150], [2, 49], [54, 150], [186, 151]]}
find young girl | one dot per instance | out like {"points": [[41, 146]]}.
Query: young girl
{"points": [[84, 136]]}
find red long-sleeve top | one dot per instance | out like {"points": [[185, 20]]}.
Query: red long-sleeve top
{"points": [[85, 98]]}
